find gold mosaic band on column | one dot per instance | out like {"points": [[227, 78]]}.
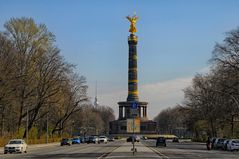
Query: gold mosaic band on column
{"points": [[133, 92], [132, 81]]}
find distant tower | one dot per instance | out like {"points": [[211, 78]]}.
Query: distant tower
{"points": [[96, 100]]}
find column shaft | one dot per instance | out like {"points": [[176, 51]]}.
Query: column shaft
{"points": [[132, 69]]}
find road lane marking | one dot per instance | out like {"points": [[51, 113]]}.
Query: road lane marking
{"points": [[156, 151], [159, 153], [135, 157], [104, 155]]}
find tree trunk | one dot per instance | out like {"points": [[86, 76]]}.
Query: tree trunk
{"points": [[232, 125]]}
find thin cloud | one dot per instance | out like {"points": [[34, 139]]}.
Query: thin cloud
{"points": [[159, 95]]}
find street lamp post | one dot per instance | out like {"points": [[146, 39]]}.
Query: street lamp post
{"points": [[134, 112]]}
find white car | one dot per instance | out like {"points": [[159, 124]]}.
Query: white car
{"points": [[233, 144], [103, 139], [15, 145]]}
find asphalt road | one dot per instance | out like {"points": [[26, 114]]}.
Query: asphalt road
{"points": [[190, 150], [121, 149], [89, 151]]}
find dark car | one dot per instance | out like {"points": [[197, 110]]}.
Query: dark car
{"points": [[111, 138], [66, 141], [219, 143], [76, 140], [82, 139], [131, 138], [86, 139], [175, 139], [93, 139], [161, 141], [224, 147]]}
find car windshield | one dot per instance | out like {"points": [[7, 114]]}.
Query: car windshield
{"points": [[75, 139], [160, 139], [15, 142], [235, 141], [221, 140]]}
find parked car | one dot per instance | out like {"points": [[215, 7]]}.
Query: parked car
{"points": [[233, 144], [93, 139], [224, 147], [15, 145], [160, 141], [82, 139], [103, 139], [219, 143], [111, 138], [76, 140], [66, 141], [175, 139], [86, 139]]}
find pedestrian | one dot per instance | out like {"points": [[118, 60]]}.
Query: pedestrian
{"points": [[208, 143]]}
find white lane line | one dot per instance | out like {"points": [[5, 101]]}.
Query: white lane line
{"points": [[134, 157], [157, 151], [104, 155]]}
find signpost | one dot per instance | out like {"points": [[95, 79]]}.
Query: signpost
{"points": [[134, 108]]}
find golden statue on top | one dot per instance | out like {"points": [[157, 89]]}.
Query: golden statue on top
{"points": [[133, 21]]}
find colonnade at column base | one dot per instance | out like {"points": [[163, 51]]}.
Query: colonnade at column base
{"points": [[126, 114]]}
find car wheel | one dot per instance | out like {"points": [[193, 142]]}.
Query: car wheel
{"points": [[5, 152]]}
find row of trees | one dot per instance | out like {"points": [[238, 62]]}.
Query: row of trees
{"points": [[172, 121], [211, 105], [38, 87]]}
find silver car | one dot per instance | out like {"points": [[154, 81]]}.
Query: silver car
{"points": [[103, 139], [15, 145]]}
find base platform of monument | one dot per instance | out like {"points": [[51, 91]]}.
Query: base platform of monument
{"points": [[133, 121], [124, 127]]}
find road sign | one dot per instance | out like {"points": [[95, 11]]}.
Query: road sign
{"points": [[135, 105], [133, 125]]}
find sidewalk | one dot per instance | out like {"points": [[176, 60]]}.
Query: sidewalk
{"points": [[124, 151]]}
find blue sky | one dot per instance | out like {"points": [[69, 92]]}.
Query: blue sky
{"points": [[176, 38]]}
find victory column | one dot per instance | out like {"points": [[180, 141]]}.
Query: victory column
{"points": [[124, 123]]}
